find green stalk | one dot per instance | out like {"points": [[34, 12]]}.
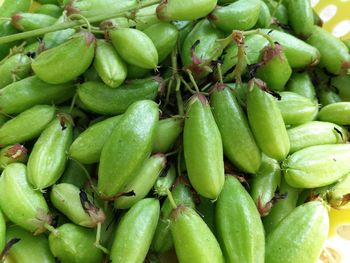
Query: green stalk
{"points": [[75, 23]]}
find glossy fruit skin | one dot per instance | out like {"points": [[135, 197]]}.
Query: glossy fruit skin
{"points": [[128, 146], [317, 166], [240, 15], [73, 244], [49, 9], [109, 65], [142, 181], [66, 198], [264, 184], [265, 17], [299, 53], [21, 204], [316, 133], [275, 69], [167, 132], [243, 241], [8, 7], [90, 8], [341, 84], [208, 48], [267, 124], [131, 45], [300, 236], [78, 52], [28, 92], [296, 109], [184, 10], [145, 17], [203, 148], [162, 240], [135, 231], [101, 99], [337, 113], [16, 153], [87, 147], [335, 56], [48, 158], [31, 21], [193, 240], [164, 37], [282, 208], [14, 68], [301, 18], [27, 125], [165, 181], [30, 248], [238, 141], [301, 84]]}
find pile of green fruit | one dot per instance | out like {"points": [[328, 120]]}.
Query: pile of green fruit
{"points": [[216, 130]]}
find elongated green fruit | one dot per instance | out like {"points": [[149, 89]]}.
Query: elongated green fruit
{"points": [[12, 154], [298, 53], [316, 133], [31, 21], [20, 203], [109, 65], [101, 99], [184, 10], [300, 236], [203, 148], [97, 7], [131, 45], [267, 124], [128, 146], [28, 92], [74, 244], [164, 37], [335, 55], [336, 112], [238, 141], [265, 18], [338, 194], [145, 17], [243, 240], [49, 9], [282, 208], [87, 147], [275, 69], [317, 166], [76, 174], [27, 125], [48, 158], [301, 84], [162, 240], [296, 109], [240, 15], [69, 200], [52, 67], [193, 240], [29, 248], [264, 184], [135, 231], [167, 132], [300, 16], [142, 181], [14, 68]]}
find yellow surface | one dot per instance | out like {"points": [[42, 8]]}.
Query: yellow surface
{"points": [[336, 16], [339, 218]]}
